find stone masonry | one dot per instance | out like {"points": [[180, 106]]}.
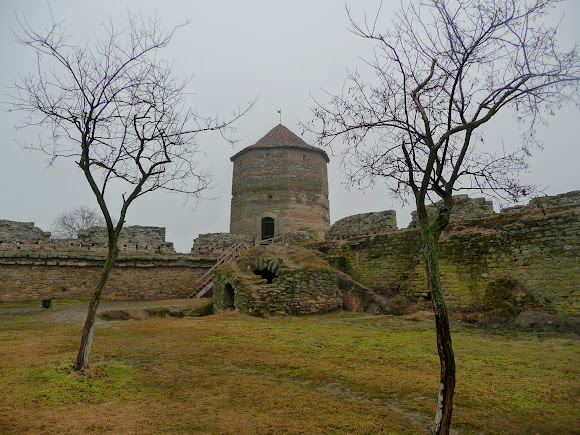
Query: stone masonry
{"points": [[363, 224], [35, 276], [34, 267], [300, 283], [18, 232], [25, 236], [536, 249], [282, 178], [132, 238], [533, 248], [215, 244], [464, 208]]}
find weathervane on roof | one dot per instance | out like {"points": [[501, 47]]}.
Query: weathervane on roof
{"points": [[280, 113]]}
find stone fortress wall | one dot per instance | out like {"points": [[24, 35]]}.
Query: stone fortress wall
{"points": [[363, 224], [464, 208], [531, 250], [214, 244], [25, 236], [534, 249], [33, 266]]}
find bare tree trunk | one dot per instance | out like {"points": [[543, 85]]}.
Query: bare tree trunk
{"points": [[87, 338], [444, 345]]}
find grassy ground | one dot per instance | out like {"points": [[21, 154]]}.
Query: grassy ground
{"points": [[340, 373]]}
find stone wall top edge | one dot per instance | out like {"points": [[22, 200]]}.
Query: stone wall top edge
{"points": [[257, 150], [60, 255], [496, 221], [133, 237]]}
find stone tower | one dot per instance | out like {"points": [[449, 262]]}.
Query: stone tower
{"points": [[279, 185]]}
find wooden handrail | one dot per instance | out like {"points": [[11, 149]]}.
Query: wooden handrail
{"points": [[271, 241], [204, 284], [201, 286]]}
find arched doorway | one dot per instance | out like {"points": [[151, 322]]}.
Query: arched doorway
{"points": [[267, 228], [228, 300]]}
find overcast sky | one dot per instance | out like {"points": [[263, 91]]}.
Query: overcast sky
{"points": [[282, 51]]}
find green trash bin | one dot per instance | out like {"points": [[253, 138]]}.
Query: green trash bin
{"points": [[47, 303]]}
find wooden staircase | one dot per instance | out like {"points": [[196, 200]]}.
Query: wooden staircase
{"points": [[205, 283]]}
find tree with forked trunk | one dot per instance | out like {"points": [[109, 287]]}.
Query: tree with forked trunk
{"points": [[121, 113], [443, 71]]}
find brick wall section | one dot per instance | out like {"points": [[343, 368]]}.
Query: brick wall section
{"points": [[29, 276], [289, 185], [539, 251]]}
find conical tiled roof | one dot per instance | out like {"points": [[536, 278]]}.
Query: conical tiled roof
{"points": [[281, 137]]}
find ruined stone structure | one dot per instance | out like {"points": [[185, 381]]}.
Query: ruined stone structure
{"points": [[17, 232], [280, 185], [274, 280], [132, 238], [464, 208], [363, 224], [524, 255], [25, 236], [215, 244]]}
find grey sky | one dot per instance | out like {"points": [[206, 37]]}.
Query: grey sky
{"points": [[282, 51]]}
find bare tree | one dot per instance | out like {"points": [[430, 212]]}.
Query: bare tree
{"points": [[121, 113], [443, 70], [68, 223]]}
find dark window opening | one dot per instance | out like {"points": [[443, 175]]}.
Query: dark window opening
{"points": [[268, 156], [303, 157], [267, 228], [269, 196], [228, 301], [266, 274]]}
